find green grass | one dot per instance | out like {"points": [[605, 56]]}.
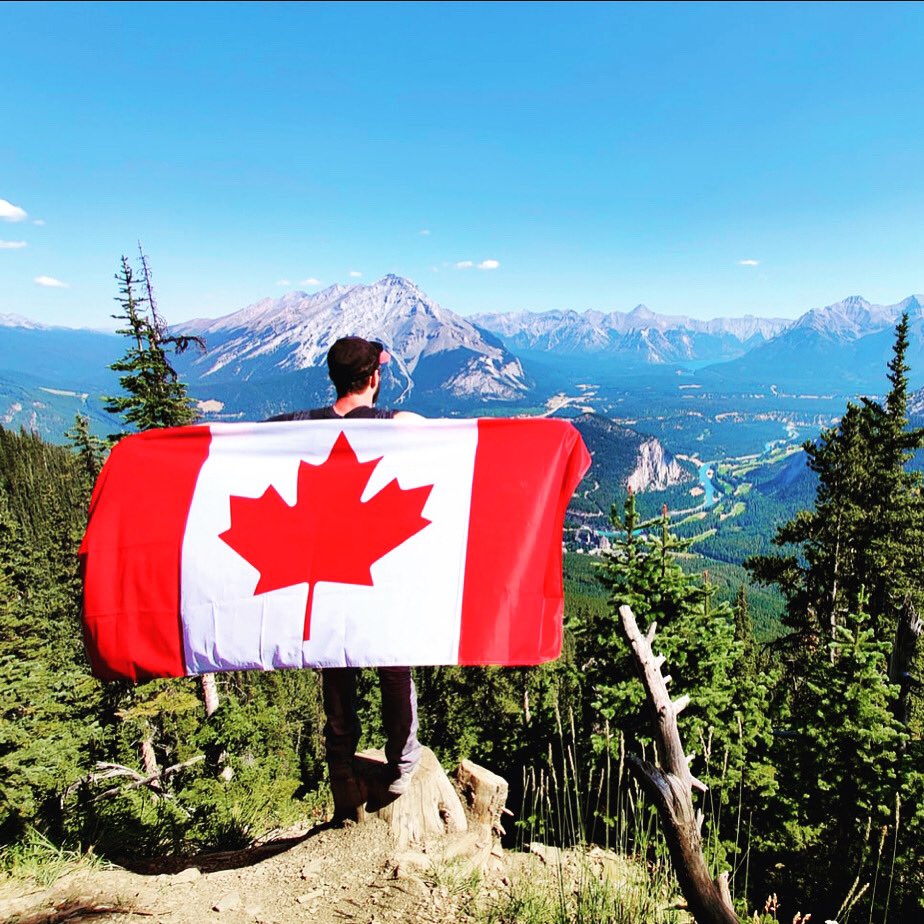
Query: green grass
{"points": [[618, 873], [692, 518], [36, 860], [580, 890]]}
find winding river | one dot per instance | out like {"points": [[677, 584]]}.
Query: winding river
{"points": [[706, 484]]}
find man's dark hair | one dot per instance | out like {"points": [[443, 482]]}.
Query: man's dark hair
{"points": [[351, 361]]}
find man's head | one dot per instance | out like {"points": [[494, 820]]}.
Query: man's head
{"points": [[352, 363]]}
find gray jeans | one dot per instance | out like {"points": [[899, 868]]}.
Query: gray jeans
{"points": [[342, 729]]}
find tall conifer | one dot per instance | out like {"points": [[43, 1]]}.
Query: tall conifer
{"points": [[155, 397], [857, 561]]}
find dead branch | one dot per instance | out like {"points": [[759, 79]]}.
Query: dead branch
{"points": [[81, 910], [671, 786], [152, 781]]}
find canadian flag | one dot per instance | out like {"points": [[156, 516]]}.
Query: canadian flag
{"points": [[327, 544]]}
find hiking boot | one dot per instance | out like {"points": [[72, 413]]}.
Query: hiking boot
{"points": [[349, 796], [400, 780]]}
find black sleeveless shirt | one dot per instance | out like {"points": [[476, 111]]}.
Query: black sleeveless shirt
{"points": [[328, 413]]}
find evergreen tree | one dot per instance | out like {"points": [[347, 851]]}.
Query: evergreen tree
{"points": [[857, 559], [228, 774], [155, 395], [47, 698], [727, 722], [744, 635], [865, 536], [90, 450], [842, 775]]}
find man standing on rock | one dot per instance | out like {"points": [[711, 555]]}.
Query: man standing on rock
{"points": [[354, 365]]}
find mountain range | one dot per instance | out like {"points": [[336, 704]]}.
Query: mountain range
{"points": [[640, 334], [269, 356], [447, 363], [841, 348]]}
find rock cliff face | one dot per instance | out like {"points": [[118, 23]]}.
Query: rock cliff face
{"points": [[621, 457], [655, 469]]}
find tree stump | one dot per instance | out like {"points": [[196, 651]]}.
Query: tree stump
{"points": [[430, 807], [485, 795]]}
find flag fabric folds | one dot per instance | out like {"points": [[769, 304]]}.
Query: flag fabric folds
{"points": [[329, 543]]}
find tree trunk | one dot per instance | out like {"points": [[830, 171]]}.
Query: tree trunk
{"points": [[485, 794], [907, 633], [671, 787], [148, 757], [210, 695]]}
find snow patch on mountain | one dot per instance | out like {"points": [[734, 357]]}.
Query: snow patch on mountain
{"points": [[916, 404], [18, 320]]}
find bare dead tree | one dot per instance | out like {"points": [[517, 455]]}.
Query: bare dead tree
{"points": [[671, 785]]}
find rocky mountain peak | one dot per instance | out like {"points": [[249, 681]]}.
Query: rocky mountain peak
{"points": [[913, 304], [642, 313], [294, 332], [845, 319]]}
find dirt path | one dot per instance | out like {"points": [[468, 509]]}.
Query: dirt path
{"points": [[324, 875]]}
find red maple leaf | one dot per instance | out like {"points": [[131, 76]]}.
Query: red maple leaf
{"points": [[329, 534]]}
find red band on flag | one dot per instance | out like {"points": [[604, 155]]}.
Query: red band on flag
{"points": [[132, 622], [525, 474]]}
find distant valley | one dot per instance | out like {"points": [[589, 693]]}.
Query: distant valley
{"points": [[703, 416]]}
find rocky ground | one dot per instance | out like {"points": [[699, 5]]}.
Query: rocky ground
{"points": [[320, 874], [332, 874]]}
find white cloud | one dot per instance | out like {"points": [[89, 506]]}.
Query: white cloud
{"points": [[283, 282], [355, 274], [424, 232], [10, 212], [310, 281], [749, 263], [12, 245], [49, 282], [483, 265], [40, 222]]}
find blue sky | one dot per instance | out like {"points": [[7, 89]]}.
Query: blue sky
{"points": [[708, 159]]}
